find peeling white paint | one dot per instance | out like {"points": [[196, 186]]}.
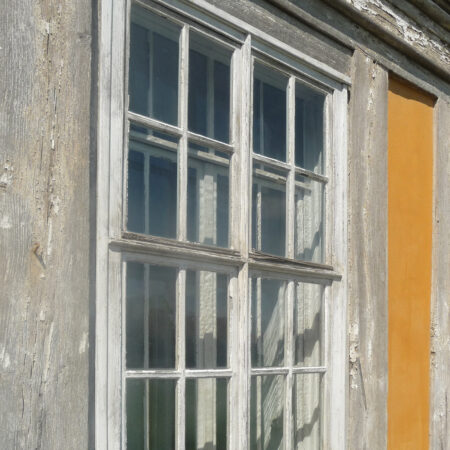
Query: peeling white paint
{"points": [[83, 344], [5, 358]]}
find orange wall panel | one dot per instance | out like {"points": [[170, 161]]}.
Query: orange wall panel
{"points": [[410, 202]]}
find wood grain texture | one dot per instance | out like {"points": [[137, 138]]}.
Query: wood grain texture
{"points": [[44, 223], [440, 288], [368, 256]]}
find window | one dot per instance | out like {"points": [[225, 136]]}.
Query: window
{"points": [[221, 236]]}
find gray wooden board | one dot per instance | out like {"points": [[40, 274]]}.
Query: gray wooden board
{"points": [[273, 21], [367, 271], [44, 223]]}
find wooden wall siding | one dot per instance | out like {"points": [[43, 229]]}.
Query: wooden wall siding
{"points": [[367, 263], [44, 223], [440, 294], [410, 198], [261, 14]]}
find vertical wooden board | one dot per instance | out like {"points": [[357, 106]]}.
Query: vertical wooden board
{"points": [[440, 294], [410, 197], [367, 236], [45, 212]]}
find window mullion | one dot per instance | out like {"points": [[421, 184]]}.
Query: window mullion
{"points": [[181, 359], [183, 122]]}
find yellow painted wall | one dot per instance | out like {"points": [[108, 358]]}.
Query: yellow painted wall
{"points": [[410, 199]]}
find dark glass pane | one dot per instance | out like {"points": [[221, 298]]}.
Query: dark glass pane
{"points": [[267, 411], [268, 212], [136, 192], [268, 300], [209, 88], [208, 197], [156, 400], [206, 319], [135, 315], [152, 182], [206, 414], [309, 129], [269, 113], [153, 75], [151, 316]]}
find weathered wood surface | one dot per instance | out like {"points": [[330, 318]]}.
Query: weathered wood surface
{"points": [[261, 14], [45, 86], [440, 294], [367, 256]]}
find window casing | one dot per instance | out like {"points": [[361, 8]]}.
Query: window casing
{"points": [[281, 277]]}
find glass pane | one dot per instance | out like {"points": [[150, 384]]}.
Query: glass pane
{"points": [[268, 300], [150, 316], [309, 129], [269, 211], [307, 414], [153, 75], [152, 182], [269, 113], [308, 324], [309, 220], [208, 196], [150, 414], [206, 319], [209, 88], [267, 410], [206, 414]]}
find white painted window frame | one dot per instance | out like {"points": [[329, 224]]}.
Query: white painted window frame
{"points": [[114, 246]]}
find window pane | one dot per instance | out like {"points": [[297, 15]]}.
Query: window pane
{"points": [[269, 113], [268, 210], [206, 414], [208, 196], [307, 414], [309, 117], [150, 414], [267, 411], [308, 324], [153, 75], [150, 316], [209, 88], [268, 300], [309, 220], [206, 319], [152, 182]]}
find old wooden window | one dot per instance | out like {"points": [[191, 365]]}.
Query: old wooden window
{"points": [[222, 318]]}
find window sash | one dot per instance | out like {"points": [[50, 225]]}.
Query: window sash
{"points": [[114, 243]]}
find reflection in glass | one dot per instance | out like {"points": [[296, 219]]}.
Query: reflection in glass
{"points": [[308, 324], [208, 196], [209, 88], [269, 112], [150, 414], [153, 83], [150, 316], [267, 410], [268, 211], [206, 414], [152, 182], [307, 414], [309, 130], [206, 320], [309, 220], [268, 300]]}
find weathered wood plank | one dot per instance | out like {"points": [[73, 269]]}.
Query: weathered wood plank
{"points": [[44, 223], [440, 293], [368, 338]]}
